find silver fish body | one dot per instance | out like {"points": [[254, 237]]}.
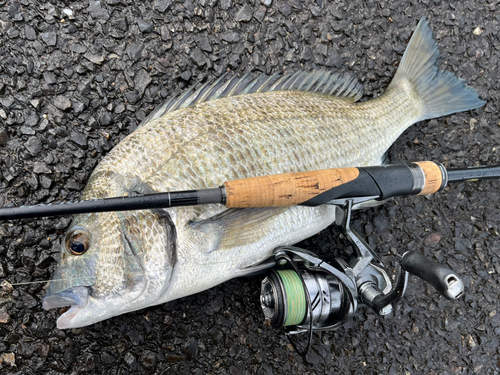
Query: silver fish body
{"points": [[136, 259]]}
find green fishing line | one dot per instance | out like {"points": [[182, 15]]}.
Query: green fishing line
{"points": [[295, 297]]}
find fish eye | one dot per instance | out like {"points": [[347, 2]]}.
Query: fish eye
{"points": [[77, 241]]}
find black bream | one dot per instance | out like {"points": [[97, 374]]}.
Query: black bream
{"points": [[113, 263]]}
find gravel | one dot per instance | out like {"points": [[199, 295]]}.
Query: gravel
{"points": [[77, 77]]}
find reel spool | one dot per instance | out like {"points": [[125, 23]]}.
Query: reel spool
{"points": [[306, 294], [283, 297]]}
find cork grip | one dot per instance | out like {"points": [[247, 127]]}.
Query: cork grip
{"points": [[433, 177], [285, 189]]}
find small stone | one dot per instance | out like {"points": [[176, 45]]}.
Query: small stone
{"points": [[120, 108], [244, 14], [313, 358], [471, 342], [45, 182], [316, 11], [98, 12], [35, 103], [144, 26], [322, 49], [4, 137], [226, 4], [162, 5], [32, 118], [198, 57], [8, 358], [306, 54], [7, 102], [230, 37], [148, 360], [79, 139], [477, 31], [34, 145], [451, 325], [40, 167], [335, 60], [77, 48], [260, 14], [285, 9], [107, 358], [72, 185], [4, 318], [50, 78], [26, 131], [234, 61], [50, 38], [191, 349], [96, 59], [186, 76], [165, 34], [78, 106], [132, 97], [204, 44], [62, 102], [106, 119], [14, 8], [134, 51], [433, 239], [266, 3], [54, 114], [6, 287], [13, 33], [129, 359], [141, 81], [42, 349], [25, 350]]}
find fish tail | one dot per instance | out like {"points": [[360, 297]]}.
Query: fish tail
{"points": [[441, 92]]}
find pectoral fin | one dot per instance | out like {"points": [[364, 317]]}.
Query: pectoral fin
{"points": [[240, 227]]}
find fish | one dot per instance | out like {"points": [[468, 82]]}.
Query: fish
{"points": [[116, 262]]}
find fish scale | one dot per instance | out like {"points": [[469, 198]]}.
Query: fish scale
{"points": [[227, 131]]}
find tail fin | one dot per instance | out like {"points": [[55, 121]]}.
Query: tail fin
{"points": [[441, 92]]}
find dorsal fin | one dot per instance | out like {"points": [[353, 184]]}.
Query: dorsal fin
{"points": [[340, 85]]}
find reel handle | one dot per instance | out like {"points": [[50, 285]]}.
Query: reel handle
{"points": [[442, 278]]}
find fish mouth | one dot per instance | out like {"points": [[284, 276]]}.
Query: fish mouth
{"points": [[76, 298]]}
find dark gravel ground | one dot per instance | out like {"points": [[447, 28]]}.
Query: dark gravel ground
{"points": [[77, 77]]}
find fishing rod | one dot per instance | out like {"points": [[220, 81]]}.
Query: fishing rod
{"points": [[303, 292], [311, 188]]}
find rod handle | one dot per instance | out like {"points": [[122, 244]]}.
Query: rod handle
{"points": [[287, 189], [313, 188]]}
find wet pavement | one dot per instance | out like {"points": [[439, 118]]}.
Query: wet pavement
{"points": [[77, 77]]}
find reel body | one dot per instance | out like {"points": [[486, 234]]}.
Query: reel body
{"points": [[284, 301], [304, 293]]}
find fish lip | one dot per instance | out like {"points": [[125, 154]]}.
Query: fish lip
{"points": [[74, 297]]}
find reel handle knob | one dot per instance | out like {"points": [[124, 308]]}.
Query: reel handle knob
{"points": [[442, 278]]}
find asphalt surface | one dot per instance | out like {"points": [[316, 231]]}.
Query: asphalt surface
{"points": [[77, 77]]}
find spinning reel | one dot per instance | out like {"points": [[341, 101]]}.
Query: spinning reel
{"points": [[304, 293]]}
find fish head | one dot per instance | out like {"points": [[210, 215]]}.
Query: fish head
{"points": [[111, 263]]}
